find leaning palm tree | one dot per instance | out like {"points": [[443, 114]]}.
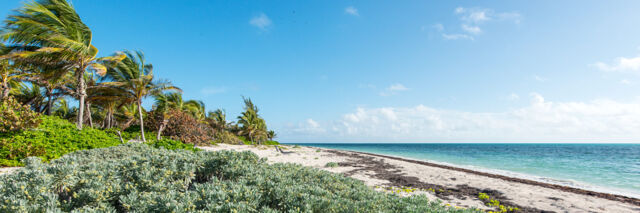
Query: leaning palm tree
{"points": [[51, 32], [218, 120], [271, 135], [31, 95], [135, 77], [253, 125], [166, 102]]}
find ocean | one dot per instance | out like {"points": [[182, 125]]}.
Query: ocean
{"points": [[610, 168]]}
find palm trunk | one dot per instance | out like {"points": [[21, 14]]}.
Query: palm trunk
{"points": [[109, 119], [81, 95], [128, 123], [89, 114], [162, 126], [5, 90], [141, 121], [49, 101]]}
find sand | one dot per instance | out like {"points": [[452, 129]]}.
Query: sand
{"points": [[451, 186]]}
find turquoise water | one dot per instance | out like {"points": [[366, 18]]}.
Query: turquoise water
{"points": [[601, 167]]}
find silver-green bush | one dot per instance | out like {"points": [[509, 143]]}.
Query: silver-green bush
{"points": [[138, 178]]}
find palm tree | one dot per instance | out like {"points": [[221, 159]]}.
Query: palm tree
{"points": [[127, 114], [135, 77], [31, 95], [54, 81], [9, 74], [253, 125], [166, 102], [218, 120], [271, 135], [109, 100], [51, 32]]}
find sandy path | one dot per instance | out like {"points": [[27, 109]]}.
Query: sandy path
{"points": [[456, 188]]}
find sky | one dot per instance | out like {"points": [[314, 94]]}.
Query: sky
{"points": [[394, 71]]}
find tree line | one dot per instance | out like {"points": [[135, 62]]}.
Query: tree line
{"points": [[47, 57]]}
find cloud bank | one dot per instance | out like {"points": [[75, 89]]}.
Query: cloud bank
{"points": [[541, 121]]}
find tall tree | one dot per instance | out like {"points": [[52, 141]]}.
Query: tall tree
{"points": [[253, 125], [51, 32], [135, 77]]}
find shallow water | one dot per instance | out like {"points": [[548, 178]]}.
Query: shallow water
{"points": [[613, 168]]}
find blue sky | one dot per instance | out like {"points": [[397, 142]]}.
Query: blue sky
{"points": [[389, 71]]}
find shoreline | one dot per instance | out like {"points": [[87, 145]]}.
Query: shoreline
{"points": [[577, 183], [606, 195], [453, 186]]}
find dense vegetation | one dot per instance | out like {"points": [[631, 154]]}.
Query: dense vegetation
{"points": [[52, 139], [47, 57], [136, 177], [56, 137]]}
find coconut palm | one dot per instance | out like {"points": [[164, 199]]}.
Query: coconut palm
{"points": [[166, 102], [31, 95], [108, 100], [135, 77], [9, 74], [54, 81], [51, 32], [218, 120], [61, 109], [253, 125], [271, 135]]}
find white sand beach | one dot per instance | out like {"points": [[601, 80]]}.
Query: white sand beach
{"points": [[380, 172]]}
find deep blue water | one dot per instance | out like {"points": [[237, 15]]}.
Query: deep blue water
{"points": [[604, 167]]}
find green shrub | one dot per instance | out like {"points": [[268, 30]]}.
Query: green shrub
{"points": [[171, 144], [15, 116], [227, 137], [130, 134], [331, 164], [52, 139], [138, 178], [271, 143]]}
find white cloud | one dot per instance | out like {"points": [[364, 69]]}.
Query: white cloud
{"points": [[471, 29], [351, 11], [621, 64], [625, 82], [309, 126], [538, 78], [261, 21], [457, 36], [513, 96], [212, 90], [473, 15], [541, 121], [393, 89], [471, 20], [397, 87]]}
